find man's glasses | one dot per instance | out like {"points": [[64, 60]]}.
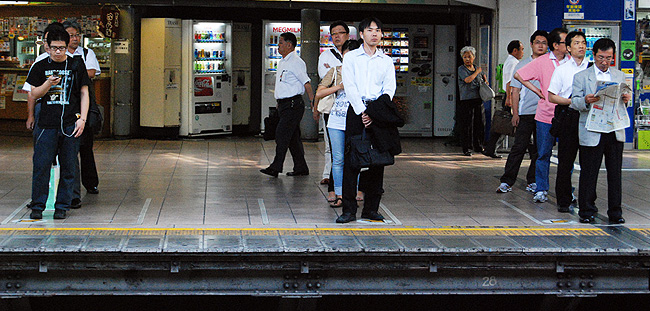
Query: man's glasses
{"points": [[540, 42], [75, 36], [58, 48], [339, 33], [601, 58]]}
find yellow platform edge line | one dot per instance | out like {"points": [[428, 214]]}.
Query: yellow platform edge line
{"points": [[507, 231]]}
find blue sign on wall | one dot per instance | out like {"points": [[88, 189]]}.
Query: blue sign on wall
{"points": [[573, 9]]}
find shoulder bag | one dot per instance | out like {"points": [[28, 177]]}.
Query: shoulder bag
{"points": [[485, 90], [502, 123], [325, 103], [363, 154]]}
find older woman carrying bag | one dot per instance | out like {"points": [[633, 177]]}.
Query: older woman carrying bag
{"points": [[470, 113]]}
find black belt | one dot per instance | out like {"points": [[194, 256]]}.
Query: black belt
{"points": [[290, 99]]}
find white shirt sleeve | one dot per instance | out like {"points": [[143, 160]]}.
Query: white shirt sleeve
{"points": [[322, 71], [508, 71], [390, 84], [301, 72], [92, 63], [555, 86]]}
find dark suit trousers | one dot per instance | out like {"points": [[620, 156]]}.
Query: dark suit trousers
{"points": [[471, 123], [88, 174], [590, 160], [567, 149], [287, 135], [371, 179], [522, 143]]}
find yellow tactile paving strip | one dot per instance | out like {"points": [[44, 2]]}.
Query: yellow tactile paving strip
{"points": [[444, 231]]}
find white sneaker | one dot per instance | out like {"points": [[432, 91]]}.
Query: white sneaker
{"points": [[503, 188], [532, 187], [540, 197]]}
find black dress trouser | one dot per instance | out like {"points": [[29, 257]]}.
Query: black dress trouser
{"points": [[287, 134], [525, 128], [471, 123], [567, 150], [590, 161], [371, 179]]}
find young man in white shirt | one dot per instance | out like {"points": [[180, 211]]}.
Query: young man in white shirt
{"points": [[594, 145], [559, 92], [332, 58], [291, 82], [367, 74]]}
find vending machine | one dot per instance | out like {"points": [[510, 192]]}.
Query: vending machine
{"points": [[270, 59], [410, 47], [595, 30], [206, 107]]}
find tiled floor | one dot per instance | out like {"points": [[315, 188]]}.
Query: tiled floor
{"points": [[216, 183]]}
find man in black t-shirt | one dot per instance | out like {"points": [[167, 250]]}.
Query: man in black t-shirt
{"points": [[60, 85]]}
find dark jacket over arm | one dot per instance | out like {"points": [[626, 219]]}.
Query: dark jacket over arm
{"points": [[385, 121]]}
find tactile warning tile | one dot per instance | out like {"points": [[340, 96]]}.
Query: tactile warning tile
{"points": [[231, 240], [644, 231]]}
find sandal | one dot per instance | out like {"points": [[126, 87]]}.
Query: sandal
{"points": [[338, 202], [331, 198]]}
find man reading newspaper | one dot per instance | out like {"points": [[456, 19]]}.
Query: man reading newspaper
{"points": [[601, 130]]}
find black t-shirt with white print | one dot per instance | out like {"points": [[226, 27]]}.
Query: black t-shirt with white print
{"points": [[63, 98]]}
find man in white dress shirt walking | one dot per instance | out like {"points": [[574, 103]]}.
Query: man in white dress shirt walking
{"points": [[291, 82]]}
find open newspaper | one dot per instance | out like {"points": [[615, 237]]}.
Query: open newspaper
{"points": [[609, 113]]}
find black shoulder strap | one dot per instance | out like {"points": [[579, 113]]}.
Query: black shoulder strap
{"points": [[85, 54], [337, 55]]}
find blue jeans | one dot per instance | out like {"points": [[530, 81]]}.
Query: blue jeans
{"points": [[48, 144], [544, 149], [337, 139]]}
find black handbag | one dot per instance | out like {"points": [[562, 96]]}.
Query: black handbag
{"points": [[271, 124], [502, 123], [362, 154]]}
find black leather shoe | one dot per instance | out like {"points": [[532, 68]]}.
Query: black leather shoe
{"points": [[588, 220], [563, 209], [75, 204], [617, 221], [269, 171], [492, 155], [59, 213], [345, 218], [304, 173], [36, 214], [467, 153], [372, 215], [92, 190]]}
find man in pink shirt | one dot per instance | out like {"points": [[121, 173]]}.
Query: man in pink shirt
{"points": [[541, 69]]}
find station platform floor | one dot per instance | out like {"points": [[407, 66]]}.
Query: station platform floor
{"points": [[216, 183]]}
